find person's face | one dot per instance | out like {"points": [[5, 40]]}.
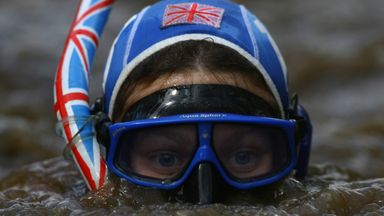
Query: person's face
{"points": [[165, 152]]}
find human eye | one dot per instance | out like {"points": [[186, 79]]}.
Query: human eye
{"points": [[165, 159], [165, 163], [159, 153], [244, 160], [248, 162]]}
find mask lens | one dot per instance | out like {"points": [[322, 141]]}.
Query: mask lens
{"points": [[160, 152], [250, 151]]}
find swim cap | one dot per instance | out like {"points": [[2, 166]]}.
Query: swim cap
{"points": [[170, 21]]}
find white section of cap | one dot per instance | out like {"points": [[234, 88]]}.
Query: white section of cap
{"points": [[108, 64], [132, 35], [244, 13], [170, 41], [264, 30]]}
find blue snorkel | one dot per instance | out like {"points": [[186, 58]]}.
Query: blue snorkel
{"points": [[71, 90]]}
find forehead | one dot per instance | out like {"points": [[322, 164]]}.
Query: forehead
{"points": [[143, 89]]}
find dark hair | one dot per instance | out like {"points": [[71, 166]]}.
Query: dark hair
{"points": [[186, 56]]}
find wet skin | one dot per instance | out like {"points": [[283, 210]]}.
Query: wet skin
{"points": [[163, 155], [243, 81], [163, 152]]}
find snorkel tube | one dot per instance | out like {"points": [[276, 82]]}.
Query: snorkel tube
{"points": [[71, 90]]}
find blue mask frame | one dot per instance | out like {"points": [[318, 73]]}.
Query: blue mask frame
{"points": [[205, 152]]}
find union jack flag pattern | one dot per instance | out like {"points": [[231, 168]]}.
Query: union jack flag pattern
{"points": [[71, 89], [192, 13]]}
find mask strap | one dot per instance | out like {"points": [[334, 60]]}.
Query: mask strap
{"points": [[304, 143], [303, 135]]}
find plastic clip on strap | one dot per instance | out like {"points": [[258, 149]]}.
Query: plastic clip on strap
{"points": [[101, 124], [71, 88]]}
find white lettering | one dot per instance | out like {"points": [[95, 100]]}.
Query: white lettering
{"points": [[203, 115]]}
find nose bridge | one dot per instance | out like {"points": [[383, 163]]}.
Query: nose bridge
{"points": [[205, 151], [206, 178]]}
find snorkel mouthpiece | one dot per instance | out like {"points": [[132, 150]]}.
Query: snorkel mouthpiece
{"points": [[202, 185], [205, 181]]}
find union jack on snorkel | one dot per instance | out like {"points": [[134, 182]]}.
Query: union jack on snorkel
{"points": [[71, 89]]}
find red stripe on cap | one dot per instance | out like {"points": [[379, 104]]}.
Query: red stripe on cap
{"points": [[192, 12]]}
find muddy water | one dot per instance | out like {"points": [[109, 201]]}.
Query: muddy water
{"points": [[335, 54]]}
